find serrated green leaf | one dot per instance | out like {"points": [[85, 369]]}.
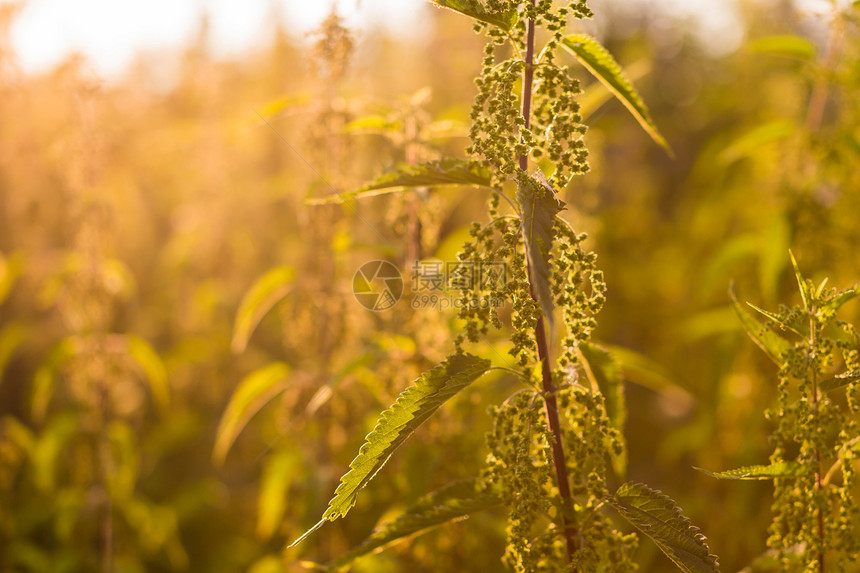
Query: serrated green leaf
{"points": [[786, 45], [396, 424], [772, 471], [538, 208], [604, 371], [658, 517], [260, 298], [603, 66], [839, 381], [441, 172], [153, 367], [597, 94], [830, 306], [755, 139], [254, 392], [473, 8], [773, 344], [451, 503]]}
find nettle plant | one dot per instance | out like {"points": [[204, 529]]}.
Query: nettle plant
{"points": [[816, 440], [553, 441]]}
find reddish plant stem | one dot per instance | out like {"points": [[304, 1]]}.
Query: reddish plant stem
{"points": [[817, 454], [571, 533]]}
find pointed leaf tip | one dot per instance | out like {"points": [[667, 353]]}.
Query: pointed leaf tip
{"points": [[603, 66], [657, 516], [396, 424]]}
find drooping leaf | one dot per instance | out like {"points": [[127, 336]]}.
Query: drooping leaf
{"points": [[10, 270], [475, 9], [260, 298], [253, 392], [153, 367], [647, 373], [604, 371], [278, 105], [373, 124], [772, 471], [396, 424], [755, 139], [773, 344], [597, 94], [11, 337], [272, 500], [441, 172], [451, 503], [658, 517], [787, 46], [43, 380], [538, 208], [603, 66], [839, 381]]}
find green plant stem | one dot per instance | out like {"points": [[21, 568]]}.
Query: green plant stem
{"points": [[570, 528], [813, 324]]}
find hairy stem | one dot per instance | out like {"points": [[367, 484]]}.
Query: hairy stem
{"points": [[813, 324], [571, 533]]}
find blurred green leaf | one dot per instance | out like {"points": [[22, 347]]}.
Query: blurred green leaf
{"points": [[786, 45], [253, 392], [396, 424], [267, 291], [43, 380], [373, 124], [750, 142], [604, 371], [10, 270], [274, 485], [451, 503], [11, 337], [153, 367], [603, 66], [658, 517], [48, 447], [773, 344]]}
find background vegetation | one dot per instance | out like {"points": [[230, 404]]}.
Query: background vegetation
{"points": [[134, 218]]}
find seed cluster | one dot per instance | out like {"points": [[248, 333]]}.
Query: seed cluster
{"points": [[816, 512]]}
